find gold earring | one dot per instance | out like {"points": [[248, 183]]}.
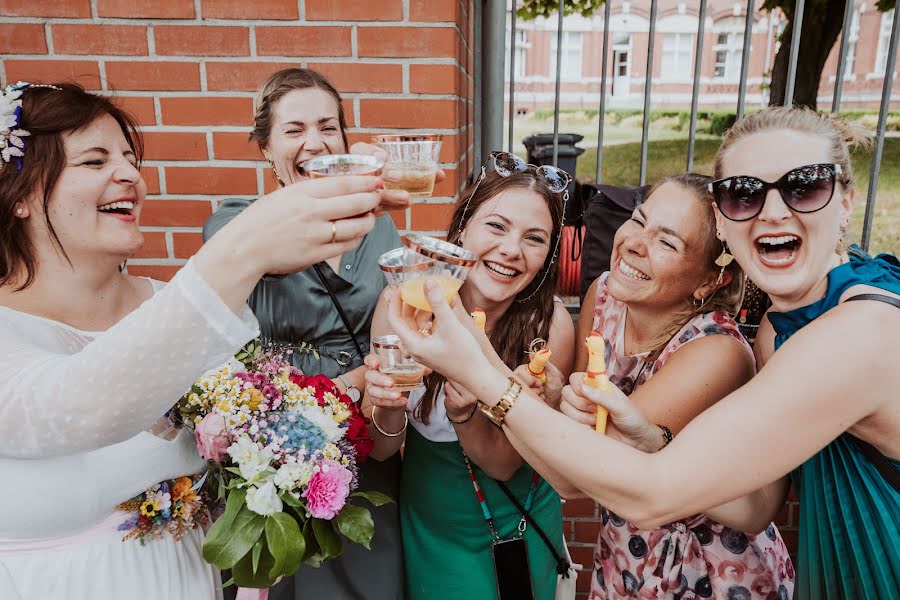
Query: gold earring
{"points": [[841, 247], [274, 170], [722, 261]]}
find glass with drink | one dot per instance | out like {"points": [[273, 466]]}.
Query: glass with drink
{"points": [[451, 267], [333, 165], [412, 161], [393, 362]]}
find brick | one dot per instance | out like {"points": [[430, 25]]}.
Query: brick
{"points": [[587, 531], [434, 79], [231, 76], [171, 76], [206, 110], [407, 42], [146, 9], [430, 217], [175, 213], [580, 507], [270, 184], [84, 72], [186, 244], [206, 40], [75, 9], [229, 145], [303, 41], [23, 38], [420, 114], [154, 246], [165, 145], [434, 11], [399, 219], [129, 40], [354, 10], [348, 112], [583, 555], [233, 181], [158, 272], [583, 580], [242, 9], [151, 178], [140, 107], [449, 186], [359, 77]]}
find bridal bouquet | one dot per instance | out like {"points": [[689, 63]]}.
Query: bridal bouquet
{"points": [[284, 448]]}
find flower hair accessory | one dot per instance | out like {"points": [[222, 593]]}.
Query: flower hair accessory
{"points": [[11, 143]]}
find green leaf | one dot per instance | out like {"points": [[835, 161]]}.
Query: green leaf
{"points": [[291, 501], [286, 544], [329, 541], [257, 550], [312, 545], [376, 498], [356, 523], [244, 575], [227, 541]]}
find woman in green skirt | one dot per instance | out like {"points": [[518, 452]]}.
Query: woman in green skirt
{"points": [[462, 532]]}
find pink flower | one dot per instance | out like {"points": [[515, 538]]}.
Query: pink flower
{"points": [[212, 437], [328, 489]]}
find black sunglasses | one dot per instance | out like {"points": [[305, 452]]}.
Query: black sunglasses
{"points": [[804, 190]]}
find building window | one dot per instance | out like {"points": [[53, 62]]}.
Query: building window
{"points": [[571, 55], [852, 37], [884, 41], [522, 46], [678, 50], [728, 55]]}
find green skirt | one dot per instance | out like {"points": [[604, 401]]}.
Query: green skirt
{"points": [[447, 542]]}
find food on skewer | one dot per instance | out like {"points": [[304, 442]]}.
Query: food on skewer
{"points": [[479, 317]]}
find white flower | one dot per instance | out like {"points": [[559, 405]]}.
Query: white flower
{"points": [[293, 475], [252, 460], [314, 414], [264, 500]]}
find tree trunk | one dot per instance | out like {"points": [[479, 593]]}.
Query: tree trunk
{"points": [[822, 23]]}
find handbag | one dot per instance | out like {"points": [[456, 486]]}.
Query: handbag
{"points": [[566, 574]]}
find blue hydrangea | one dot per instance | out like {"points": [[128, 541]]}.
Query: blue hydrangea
{"points": [[300, 433]]}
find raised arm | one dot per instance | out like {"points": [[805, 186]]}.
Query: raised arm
{"points": [[807, 395]]}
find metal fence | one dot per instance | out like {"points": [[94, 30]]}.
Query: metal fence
{"points": [[490, 79]]}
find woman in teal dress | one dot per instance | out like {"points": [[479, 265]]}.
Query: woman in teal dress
{"points": [[513, 224], [823, 411]]}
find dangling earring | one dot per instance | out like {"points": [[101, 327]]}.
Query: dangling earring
{"points": [[723, 261], [280, 182], [841, 247], [696, 304]]}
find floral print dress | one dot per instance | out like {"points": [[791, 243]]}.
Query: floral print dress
{"points": [[696, 557]]}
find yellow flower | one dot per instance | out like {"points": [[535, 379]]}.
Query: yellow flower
{"points": [[149, 508], [181, 487], [251, 398]]}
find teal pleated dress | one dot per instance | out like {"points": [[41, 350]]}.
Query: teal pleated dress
{"points": [[849, 544]]}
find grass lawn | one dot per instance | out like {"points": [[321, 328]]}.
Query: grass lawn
{"points": [[621, 166]]}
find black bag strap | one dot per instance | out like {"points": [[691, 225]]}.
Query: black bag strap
{"points": [[562, 565], [340, 310], [886, 468]]}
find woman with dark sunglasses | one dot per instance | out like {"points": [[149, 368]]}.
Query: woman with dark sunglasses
{"points": [[511, 218], [824, 409]]}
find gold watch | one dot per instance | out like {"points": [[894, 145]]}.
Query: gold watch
{"points": [[497, 413]]}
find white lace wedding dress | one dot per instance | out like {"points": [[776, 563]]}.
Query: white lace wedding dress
{"points": [[76, 413]]}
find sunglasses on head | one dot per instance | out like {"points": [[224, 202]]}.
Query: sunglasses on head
{"points": [[804, 190], [506, 164]]}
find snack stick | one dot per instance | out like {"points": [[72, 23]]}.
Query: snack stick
{"points": [[537, 363], [479, 317], [596, 374]]}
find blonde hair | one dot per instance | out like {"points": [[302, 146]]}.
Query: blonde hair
{"points": [[841, 135], [728, 297]]}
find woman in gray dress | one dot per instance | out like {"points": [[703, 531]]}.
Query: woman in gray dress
{"points": [[299, 116]]}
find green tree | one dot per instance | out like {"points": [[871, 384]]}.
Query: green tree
{"points": [[822, 24]]}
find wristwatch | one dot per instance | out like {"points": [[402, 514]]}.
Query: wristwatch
{"points": [[352, 391]]}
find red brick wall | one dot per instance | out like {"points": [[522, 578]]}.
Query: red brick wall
{"points": [[188, 69]]}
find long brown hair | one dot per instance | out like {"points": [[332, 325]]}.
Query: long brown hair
{"points": [[276, 86], [529, 316], [728, 297], [48, 113]]}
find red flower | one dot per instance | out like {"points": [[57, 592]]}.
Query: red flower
{"points": [[358, 435]]}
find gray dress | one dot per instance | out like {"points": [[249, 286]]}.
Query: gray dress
{"points": [[297, 310]]}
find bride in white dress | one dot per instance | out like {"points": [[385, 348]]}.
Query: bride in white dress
{"points": [[91, 358]]}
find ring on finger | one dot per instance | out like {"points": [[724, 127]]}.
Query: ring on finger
{"points": [[333, 231]]}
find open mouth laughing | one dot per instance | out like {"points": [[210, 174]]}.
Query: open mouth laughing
{"points": [[630, 272], [777, 250]]}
